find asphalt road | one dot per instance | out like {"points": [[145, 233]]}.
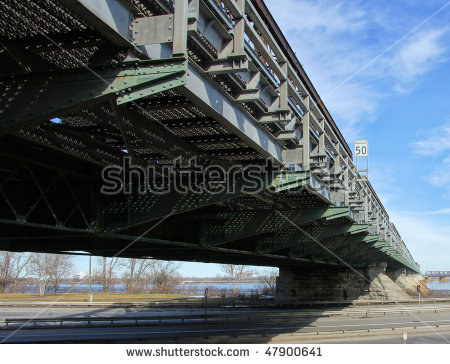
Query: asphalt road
{"points": [[260, 331], [56, 311], [437, 337]]}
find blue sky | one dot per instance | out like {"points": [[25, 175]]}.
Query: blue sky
{"points": [[383, 70]]}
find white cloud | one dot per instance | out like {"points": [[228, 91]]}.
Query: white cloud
{"points": [[342, 43], [439, 212], [417, 55], [322, 15], [436, 142], [425, 238], [441, 176], [326, 36]]}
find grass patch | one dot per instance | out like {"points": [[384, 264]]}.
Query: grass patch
{"points": [[98, 297]]}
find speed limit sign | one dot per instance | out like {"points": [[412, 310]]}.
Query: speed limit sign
{"points": [[361, 148]]}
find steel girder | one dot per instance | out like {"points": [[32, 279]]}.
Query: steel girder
{"points": [[118, 22], [307, 235], [222, 107], [223, 227], [42, 96], [46, 195]]}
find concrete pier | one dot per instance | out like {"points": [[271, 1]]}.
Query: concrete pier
{"points": [[338, 284]]}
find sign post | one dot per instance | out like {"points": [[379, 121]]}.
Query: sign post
{"points": [[206, 300], [362, 151], [419, 288]]}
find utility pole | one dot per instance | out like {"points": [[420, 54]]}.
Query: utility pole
{"points": [[90, 279], [206, 301]]}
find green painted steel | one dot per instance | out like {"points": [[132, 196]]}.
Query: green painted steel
{"points": [[40, 96], [287, 181], [148, 79]]}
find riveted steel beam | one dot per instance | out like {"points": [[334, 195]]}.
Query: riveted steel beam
{"points": [[224, 227], [120, 212], [112, 18], [42, 96], [248, 95], [287, 181], [153, 30], [227, 65], [351, 247], [215, 102], [308, 235], [282, 116]]}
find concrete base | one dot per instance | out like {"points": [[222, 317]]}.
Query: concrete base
{"points": [[337, 284], [408, 281]]}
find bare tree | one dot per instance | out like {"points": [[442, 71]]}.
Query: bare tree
{"points": [[164, 276], [267, 278], [13, 267], [50, 269], [236, 273], [61, 267], [106, 272], [137, 274], [40, 267]]}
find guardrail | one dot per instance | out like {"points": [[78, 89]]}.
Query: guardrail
{"points": [[213, 318], [155, 320], [236, 304]]}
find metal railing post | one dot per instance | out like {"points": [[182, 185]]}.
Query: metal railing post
{"points": [[180, 28]]}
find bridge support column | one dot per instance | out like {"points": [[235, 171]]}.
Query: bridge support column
{"points": [[408, 280], [337, 284]]}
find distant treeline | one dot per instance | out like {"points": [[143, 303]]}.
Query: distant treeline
{"points": [[51, 273]]}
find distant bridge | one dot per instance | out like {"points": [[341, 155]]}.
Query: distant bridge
{"points": [[437, 274], [88, 83]]}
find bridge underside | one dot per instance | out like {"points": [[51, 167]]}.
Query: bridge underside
{"points": [[78, 95], [48, 207]]}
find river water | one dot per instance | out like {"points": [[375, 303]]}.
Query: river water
{"points": [[191, 288], [438, 286]]}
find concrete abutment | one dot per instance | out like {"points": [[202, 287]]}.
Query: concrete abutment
{"points": [[340, 284], [408, 281]]}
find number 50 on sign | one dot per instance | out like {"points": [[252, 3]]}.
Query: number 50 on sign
{"points": [[361, 148]]}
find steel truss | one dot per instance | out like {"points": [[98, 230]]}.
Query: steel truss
{"points": [[86, 84]]}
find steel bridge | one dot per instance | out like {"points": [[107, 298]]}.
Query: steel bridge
{"points": [[437, 274], [86, 83]]}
